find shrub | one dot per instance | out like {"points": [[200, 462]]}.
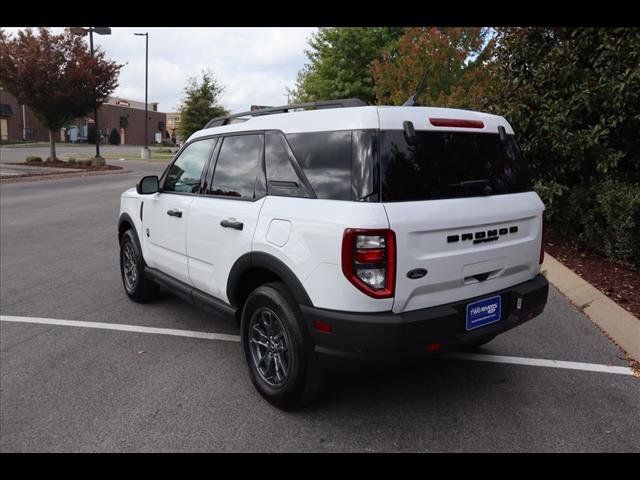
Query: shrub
{"points": [[603, 216], [114, 137], [71, 161], [85, 162], [33, 159], [167, 143]]}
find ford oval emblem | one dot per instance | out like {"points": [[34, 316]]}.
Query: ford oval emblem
{"points": [[416, 273]]}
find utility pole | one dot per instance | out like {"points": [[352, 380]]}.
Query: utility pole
{"points": [[145, 151]]}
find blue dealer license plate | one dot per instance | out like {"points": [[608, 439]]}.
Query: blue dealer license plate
{"points": [[483, 312]]}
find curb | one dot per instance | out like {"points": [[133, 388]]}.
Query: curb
{"points": [[619, 324], [56, 176]]}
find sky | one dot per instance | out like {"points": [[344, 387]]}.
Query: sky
{"points": [[254, 65]]}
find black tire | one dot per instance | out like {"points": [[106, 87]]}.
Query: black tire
{"points": [[141, 288], [304, 380]]}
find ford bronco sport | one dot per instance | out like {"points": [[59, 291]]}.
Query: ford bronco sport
{"points": [[337, 232]]}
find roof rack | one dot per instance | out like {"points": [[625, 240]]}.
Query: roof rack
{"points": [[340, 103]]}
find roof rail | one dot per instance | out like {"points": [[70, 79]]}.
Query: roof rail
{"points": [[340, 103]]}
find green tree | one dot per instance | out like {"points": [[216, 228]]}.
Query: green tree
{"points": [[340, 63], [573, 98], [56, 76], [200, 103], [452, 60]]}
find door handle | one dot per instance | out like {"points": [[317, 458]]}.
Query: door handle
{"points": [[174, 213], [232, 224]]}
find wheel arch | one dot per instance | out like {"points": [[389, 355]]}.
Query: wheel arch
{"points": [[256, 268]]}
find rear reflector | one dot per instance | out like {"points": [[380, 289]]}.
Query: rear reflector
{"points": [[432, 347], [323, 327], [456, 122]]}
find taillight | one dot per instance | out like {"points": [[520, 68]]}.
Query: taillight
{"points": [[369, 260], [542, 241]]}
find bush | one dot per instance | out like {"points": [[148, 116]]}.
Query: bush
{"points": [[114, 137], [86, 162], [33, 159], [603, 216], [167, 143], [71, 161]]}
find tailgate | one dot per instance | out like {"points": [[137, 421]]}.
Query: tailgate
{"points": [[469, 246]]}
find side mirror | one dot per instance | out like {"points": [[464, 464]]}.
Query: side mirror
{"points": [[410, 133], [147, 185]]}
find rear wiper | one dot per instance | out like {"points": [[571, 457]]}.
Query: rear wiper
{"points": [[483, 184], [471, 183]]}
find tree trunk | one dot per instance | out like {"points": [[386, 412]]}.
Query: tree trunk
{"points": [[52, 145]]}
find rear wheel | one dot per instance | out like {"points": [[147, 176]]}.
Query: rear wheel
{"points": [[280, 355], [139, 287]]}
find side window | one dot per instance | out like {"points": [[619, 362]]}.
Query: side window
{"points": [[282, 178], [238, 165], [184, 175], [325, 158]]}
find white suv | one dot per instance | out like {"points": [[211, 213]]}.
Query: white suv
{"points": [[342, 234]]}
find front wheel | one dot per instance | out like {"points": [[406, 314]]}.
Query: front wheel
{"points": [[279, 353], [139, 287]]}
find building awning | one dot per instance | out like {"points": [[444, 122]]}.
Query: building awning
{"points": [[5, 110]]}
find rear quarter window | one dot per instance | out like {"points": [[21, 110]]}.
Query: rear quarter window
{"points": [[325, 158]]}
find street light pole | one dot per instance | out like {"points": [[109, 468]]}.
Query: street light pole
{"points": [[82, 32], [95, 109], [145, 151]]}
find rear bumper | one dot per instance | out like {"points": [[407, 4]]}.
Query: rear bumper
{"points": [[385, 336]]}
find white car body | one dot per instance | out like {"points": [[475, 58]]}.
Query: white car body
{"points": [[306, 233]]}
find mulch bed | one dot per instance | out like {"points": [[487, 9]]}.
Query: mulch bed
{"points": [[61, 164], [618, 281]]}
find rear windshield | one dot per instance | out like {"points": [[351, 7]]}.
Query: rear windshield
{"points": [[449, 165]]}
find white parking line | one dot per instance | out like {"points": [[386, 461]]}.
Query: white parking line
{"points": [[536, 362], [541, 362], [120, 326]]}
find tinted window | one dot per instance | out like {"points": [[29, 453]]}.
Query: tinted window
{"points": [[281, 176], [239, 162], [450, 165], [364, 168], [325, 158], [184, 175]]}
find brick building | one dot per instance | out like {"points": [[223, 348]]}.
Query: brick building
{"points": [[127, 117], [18, 123]]}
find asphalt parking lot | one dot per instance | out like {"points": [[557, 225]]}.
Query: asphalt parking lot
{"points": [[72, 388]]}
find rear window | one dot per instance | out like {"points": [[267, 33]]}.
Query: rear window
{"points": [[449, 165]]}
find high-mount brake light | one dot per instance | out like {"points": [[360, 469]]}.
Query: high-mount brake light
{"points": [[369, 260], [455, 122]]}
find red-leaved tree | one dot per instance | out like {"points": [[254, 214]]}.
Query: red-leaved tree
{"points": [[455, 62], [55, 75]]}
